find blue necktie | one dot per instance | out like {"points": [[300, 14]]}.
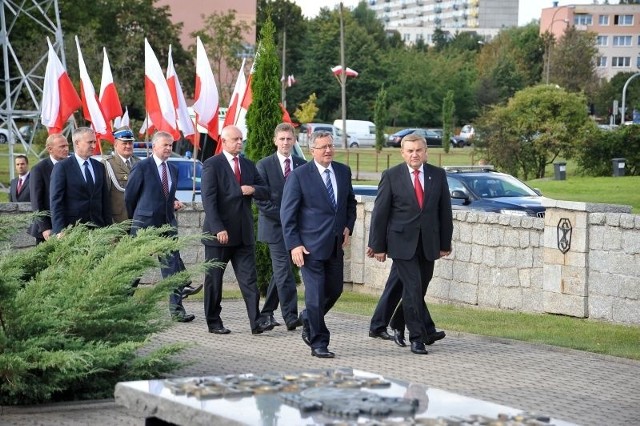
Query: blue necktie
{"points": [[87, 174], [327, 182]]}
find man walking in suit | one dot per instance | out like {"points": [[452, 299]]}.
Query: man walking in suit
{"points": [[118, 168], [19, 187], [58, 149], [274, 170], [150, 198], [78, 188], [229, 183], [318, 213], [412, 224]]}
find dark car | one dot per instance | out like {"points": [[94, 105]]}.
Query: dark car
{"points": [[432, 138]]}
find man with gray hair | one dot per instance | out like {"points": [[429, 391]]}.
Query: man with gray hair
{"points": [[78, 186], [118, 168]]}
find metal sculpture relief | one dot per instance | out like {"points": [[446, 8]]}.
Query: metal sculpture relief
{"points": [[564, 235]]}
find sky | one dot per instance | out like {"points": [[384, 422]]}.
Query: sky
{"points": [[529, 9]]}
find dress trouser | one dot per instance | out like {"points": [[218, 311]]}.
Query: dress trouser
{"points": [[172, 264], [282, 286], [388, 302]]}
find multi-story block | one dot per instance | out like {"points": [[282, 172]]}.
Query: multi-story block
{"points": [[616, 28], [418, 19]]}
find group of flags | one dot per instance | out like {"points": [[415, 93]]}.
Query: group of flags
{"points": [[165, 102]]}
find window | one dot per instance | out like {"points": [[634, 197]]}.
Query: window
{"points": [[621, 61], [623, 20], [603, 19], [602, 40], [638, 62], [583, 19], [406, 37], [622, 40], [601, 61]]}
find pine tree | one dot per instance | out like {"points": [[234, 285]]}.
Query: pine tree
{"points": [[380, 117]]}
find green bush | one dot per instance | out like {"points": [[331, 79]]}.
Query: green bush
{"points": [[69, 327], [601, 147]]}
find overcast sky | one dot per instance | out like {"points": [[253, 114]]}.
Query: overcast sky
{"points": [[529, 9]]}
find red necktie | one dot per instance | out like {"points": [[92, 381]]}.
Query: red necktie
{"points": [[165, 180], [236, 168], [418, 187], [19, 188], [287, 167]]}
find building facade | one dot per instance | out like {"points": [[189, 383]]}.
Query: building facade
{"points": [[418, 19], [616, 28]]}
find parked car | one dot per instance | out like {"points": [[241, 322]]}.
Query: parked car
{"points": [[432, 138], [481, 188], [363, 131], [307, 128], [455, 142], [465, 137]]}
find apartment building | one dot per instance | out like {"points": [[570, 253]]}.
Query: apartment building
{"points": [[617, 29], [418, 19]]}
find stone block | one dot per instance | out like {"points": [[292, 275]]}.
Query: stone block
{"points": [[552, 256], [601, 307], [597, 219], [565, 304], [612, 240], [626, 311], [505, 257], [444, 268], [603, 284], [524, 259], [462, 252], [465, 272], [506, 277], [466, 233], [532, 300], [552, 275], [553, 217], [524, 277], [189, 220], [525, 239], [489, 256], [629, 287], [613, 219], [526, 222], [440, 288], [356, 273], [596, 237], [574, 280], [477, 253], [488, 296], [621, 263], [537, 257], [511, 298], [463, 292], [627, 221], [511, 237], [631, 242], [504, 219]]}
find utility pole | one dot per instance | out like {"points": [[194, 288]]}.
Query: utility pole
{"points": [[283, 82]]}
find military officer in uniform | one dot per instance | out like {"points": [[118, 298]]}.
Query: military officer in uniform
{"points": [[118, 166]]}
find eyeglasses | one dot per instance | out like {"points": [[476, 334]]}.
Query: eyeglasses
{"points": [[324, 147]]}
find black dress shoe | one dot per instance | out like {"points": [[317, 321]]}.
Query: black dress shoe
{"points": [[220, 330], [262, 327], [398, 338], [273, 321], [418, 348], [322, 353], [305, 337], [188, 290], [380, 335], [434, 337], [294, 324], [184, 318]]}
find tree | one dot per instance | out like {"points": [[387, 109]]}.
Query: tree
{"points": [[380, 117], [223, 38], [536, 126], [573, 61], [448, 112], [611, 90], [307, 110], [263, 116]]}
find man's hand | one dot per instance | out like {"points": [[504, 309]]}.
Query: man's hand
{"points": [[444, 253], [380, 257], [46, 234], [369, 252], [345, 240], [223, 237], [177, 205], [247, 189], [297, 256]]}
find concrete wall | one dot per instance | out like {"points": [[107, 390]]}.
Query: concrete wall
{"points": [[500, 261]]}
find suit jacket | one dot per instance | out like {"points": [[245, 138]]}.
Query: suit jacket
{"points": [[39, 179], [269, 225], [144, 197], [25, 193], [307, 215], [397, 221], [224, 205], [73, 200], [116, 183]]}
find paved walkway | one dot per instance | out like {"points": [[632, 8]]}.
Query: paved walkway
{"points": [[570, 385]]}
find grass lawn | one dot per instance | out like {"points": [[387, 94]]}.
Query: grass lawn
{"points": [[556, 330]]}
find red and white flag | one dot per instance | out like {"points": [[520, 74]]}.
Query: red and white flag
{"points": [[337, 70], [185, 124], [158, 101], [90, 105], [291, 80], [147, 127], [206, 103], [234, 103], [59, 97], [122, 121], [109, 99]]}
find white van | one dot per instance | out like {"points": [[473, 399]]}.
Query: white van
{"points": [[363, 131], [306, 129]]}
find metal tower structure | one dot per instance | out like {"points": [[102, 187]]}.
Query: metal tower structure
{"points": [[23, 79]]}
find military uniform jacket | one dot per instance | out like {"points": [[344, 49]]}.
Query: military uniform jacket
{"points": [[117, 179]]}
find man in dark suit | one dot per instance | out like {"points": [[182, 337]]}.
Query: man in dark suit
{"points": [[229, 183], [150, 198], [78, 188], [58, 149], [318, 213], [19, 187], [274, 169], [412, 224], [118, 168]]}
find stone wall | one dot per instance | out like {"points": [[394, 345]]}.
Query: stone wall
{"points": [[581, 260]]}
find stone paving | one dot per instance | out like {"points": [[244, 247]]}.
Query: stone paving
{"points": [[570, 385]]}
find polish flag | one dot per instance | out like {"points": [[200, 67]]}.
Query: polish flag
{"points": [[185, 124], [234, 103], [147, 127], [337, 70], [158, 101], [59, 97], [122, 121], [109, 99], [206, 103], [90, 104]]}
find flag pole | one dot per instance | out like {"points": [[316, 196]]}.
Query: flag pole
{"points": [[196, 144]]}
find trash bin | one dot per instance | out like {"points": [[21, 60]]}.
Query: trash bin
{"points": [[618, 166], [560, 171]]}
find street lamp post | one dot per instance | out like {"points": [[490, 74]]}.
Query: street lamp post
{"points": [[548, 47], [624, 95]]}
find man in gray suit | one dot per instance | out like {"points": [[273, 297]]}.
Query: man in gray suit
{"points": [[19, 186], [118, 168], [412, 223], [275, 169]]}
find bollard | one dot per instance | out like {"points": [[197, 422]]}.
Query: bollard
{"points": [[560, 171], [618, 166]]}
